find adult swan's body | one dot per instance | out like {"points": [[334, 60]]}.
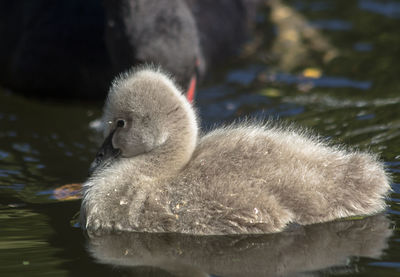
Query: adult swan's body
{"points": [[73, 48]]}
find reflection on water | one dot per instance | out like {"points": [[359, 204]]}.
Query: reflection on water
{"points": [[338, 25], [333, 67], [387, 8], [22, 248], [322, 81], [329, 247]]}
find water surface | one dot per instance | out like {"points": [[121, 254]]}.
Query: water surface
{"points": [[332, 66]]}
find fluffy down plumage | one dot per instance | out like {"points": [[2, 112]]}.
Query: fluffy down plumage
{"points": [[155, 173]]}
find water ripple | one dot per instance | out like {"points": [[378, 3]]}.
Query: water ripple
{"points": [[389, 9], [8, 172], [3, 155], [386, 264], [313, 6], [333, 25], [23, 147], [16, 187], [363, 47]]}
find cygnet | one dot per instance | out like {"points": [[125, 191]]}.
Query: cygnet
{"points": [[155, 173]]}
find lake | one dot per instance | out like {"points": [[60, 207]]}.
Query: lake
{"points": [[330, 66]]}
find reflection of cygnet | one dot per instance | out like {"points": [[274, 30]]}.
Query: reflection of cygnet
{"points": [[298, 251], [154, 174]]}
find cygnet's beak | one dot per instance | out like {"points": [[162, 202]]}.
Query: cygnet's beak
{"points": [[105, 155]]}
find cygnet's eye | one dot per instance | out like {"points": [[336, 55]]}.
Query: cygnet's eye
{"points": [[121, 123]]}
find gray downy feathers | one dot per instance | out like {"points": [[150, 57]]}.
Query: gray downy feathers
{"points": [[155, 173]]}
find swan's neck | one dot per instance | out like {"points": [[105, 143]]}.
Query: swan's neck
{"points": [[144, 173], [166, 160], [176, 151]]}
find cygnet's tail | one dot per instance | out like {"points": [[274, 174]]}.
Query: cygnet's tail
{"points": [[366, 183]]}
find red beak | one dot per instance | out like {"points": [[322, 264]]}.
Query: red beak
{"points": [[192, 89]]}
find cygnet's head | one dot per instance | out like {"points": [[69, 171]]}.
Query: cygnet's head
{"points": [[146, 112]]}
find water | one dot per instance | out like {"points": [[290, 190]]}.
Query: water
{"points": [[332, 67]]}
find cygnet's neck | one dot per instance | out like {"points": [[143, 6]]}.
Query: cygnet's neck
{"points": [[167, 159]]}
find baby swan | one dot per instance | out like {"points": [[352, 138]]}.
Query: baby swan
{"points": [[154, 173]]}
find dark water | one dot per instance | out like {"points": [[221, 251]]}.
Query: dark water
{"points": [[333, 66]]}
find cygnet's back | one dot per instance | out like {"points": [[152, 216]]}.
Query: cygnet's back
{"points": [[153, 174]]}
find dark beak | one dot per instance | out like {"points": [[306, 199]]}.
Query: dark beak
{"points": [[105, 155]]}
